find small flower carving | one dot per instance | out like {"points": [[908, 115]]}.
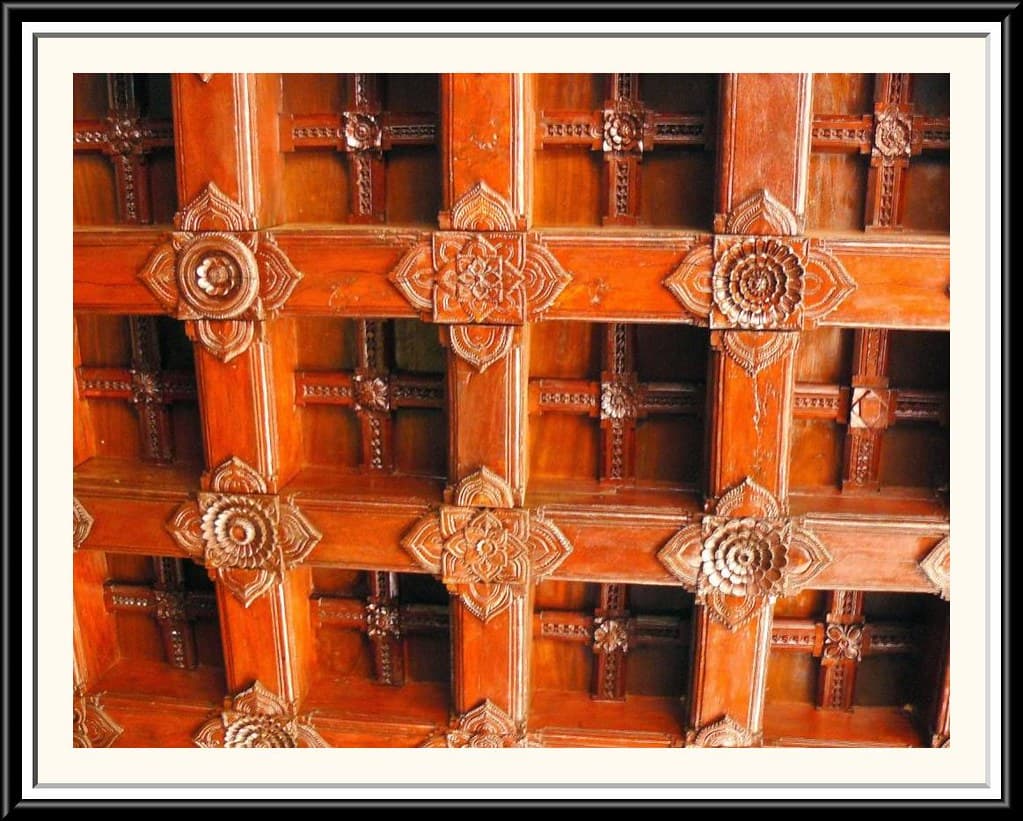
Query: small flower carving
{"points": [[382, 620], [617, 400], [623, 131], [843, 641], [124, 136], [892, 134], [145, 387], [758, 282], [371, 393], [610, 635], [362, 132], [217, 275], [745, 557]]}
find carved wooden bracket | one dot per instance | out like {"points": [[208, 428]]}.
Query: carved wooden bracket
{"points": [[745, 554], [486, 725], [243, 535], [734, 280], [726, 732], [82, 523], [258, 718], [483, 550], [486, 270], [219, 273], [936, 566], [92, 726]]}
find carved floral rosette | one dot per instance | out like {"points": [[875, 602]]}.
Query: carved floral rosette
{"points": [[893, 134], [485, 553], [769, 281], [485, 726], [257, 718], [244, 536], [482, 271], [219, 273], [92, 727], [744, 555]]}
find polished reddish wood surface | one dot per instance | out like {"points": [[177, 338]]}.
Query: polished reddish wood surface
{"points": [[473, 410]]}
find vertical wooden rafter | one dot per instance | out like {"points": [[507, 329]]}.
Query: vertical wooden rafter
{"points": [[871, 410], [484, 144], [750, 384], [227, 131]]}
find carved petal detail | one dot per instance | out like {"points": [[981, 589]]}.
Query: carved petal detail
{"points": [[481, 208], [278, 277], [257, 718], [82, 523], [691, 281], [807, 557], [213, 210], [936, 566], [761, 213], [484, 488], [754, 350], [544, 279], [827, 283], [481, 345], [159, 275], [92, 726], [681, 555], [298, 535], [234, 475], [748, 499], [733, 611], [225, 339], [185, 527], [726, 732]]}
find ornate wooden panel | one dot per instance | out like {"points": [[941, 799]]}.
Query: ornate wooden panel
{"points": [[511, 410]]}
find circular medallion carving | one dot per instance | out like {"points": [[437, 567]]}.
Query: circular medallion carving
{"points": [[362, 132], [239, 533], [258, 731], [758, 282], [218, 276], [745, 557], [892, 134]]}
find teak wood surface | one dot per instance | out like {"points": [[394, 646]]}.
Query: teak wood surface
{"points": [[511, 410]]}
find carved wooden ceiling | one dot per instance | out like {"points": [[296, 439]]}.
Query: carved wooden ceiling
{"points": [[506, 410]]}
